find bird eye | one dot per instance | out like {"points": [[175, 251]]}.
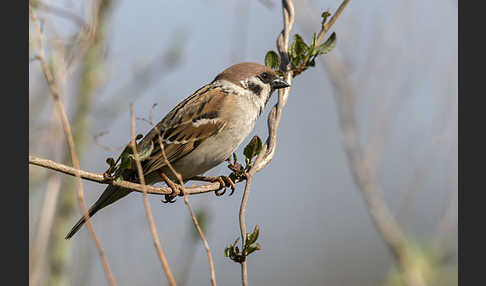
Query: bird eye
{"points": [[265, 77]]}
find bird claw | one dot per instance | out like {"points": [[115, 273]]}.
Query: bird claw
{"points": [[176, 189], [107, 177], [224, 182], [169, 199], [220, 192]]}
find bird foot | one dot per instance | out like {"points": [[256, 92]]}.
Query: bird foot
{"points": [[107, 177], [176, 189], [224, 182]]}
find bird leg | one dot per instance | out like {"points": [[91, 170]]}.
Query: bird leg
{"points": [[107, 177], [176, 190], [224, 182]]}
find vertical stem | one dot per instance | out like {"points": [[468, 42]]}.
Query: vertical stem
{"points": [[148, 212], [244, 272], [191, 212], [69, 138], [242, 216]]}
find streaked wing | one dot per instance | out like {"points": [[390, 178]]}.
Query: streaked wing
{"points": [[185, 127]]}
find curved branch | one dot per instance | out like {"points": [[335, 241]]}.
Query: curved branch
{"points": [[268, 150], [69, 138], [363, 171]]}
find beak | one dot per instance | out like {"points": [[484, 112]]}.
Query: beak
{"points": [[279, 83]]}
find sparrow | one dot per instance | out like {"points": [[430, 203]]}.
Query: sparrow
{"points": [[202, 131]]}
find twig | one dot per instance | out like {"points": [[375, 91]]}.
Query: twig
{"points": [[268, 149], [99, 178], [186, 201], [70, 140], [148, 212], [283, 94], [105, 147], [203, 239], [363, 172], [242, 215], [327, 25], [49, 205], [364, 177]]}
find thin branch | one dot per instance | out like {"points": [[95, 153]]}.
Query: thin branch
{"points": [[148, 212], [99, 178], [263, 159], [70, 140], [203, 239], [363, 172], [49, 205], [242, 215], [268, 149], [326, 26], [283, 94], [186, 201]]}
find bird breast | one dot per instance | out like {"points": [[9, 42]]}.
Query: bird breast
{"points": [[240, 114]]}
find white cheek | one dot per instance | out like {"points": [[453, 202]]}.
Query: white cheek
{"points": [[266, 90], [258, 101], [244, 83]]}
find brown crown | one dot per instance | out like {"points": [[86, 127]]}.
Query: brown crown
{"points": [[238, 72]]}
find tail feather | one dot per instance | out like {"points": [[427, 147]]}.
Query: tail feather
{"points": [[79, 224], [109, 196]]}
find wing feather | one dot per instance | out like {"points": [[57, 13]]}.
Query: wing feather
{"points": [[185, 127]]}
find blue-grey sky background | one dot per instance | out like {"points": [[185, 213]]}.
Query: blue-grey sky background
{"points": [[315, 228]]}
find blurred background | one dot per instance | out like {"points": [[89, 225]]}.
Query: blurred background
{"points": [[401, 62]]}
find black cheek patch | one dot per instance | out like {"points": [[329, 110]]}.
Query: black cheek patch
{"points": [[255, 88]]}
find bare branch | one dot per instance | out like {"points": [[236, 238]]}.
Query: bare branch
{"points": [[242, 215], [70, 140], [203, 239], [263, 159], [363, 171], [148, 212], [186, 201], [99, 178], [268, 149]]}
